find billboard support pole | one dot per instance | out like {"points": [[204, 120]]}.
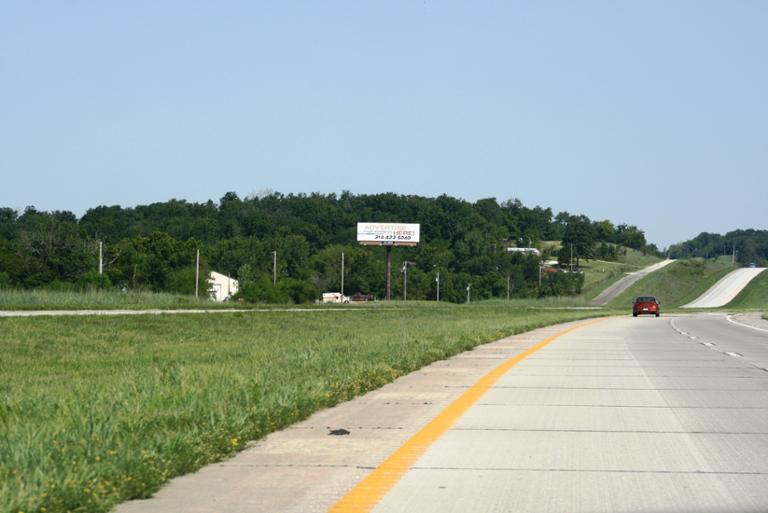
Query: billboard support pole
{"points": [[388, 235], [389, 272]]}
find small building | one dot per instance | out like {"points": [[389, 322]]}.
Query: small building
{"points": [[221, 287]]}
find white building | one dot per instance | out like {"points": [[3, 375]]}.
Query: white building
{"points": [[221, 287]]}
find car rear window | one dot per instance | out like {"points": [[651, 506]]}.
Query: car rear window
{"points": [[644, 299]]}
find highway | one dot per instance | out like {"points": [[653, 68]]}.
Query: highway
{"points": [[627, 281], [727, 288], [653, 415]]}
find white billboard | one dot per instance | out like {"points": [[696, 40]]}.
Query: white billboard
{"points": [[388, 234]]}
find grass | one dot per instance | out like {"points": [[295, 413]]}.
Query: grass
{"points": [[600, 274], [754, 295], [678, 283], [14, 299], [638, 259], [97, 410]]}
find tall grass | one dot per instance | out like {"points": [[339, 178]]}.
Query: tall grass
{"points": [[15, 299], [599, 275], [96, 410], [638, 259]]}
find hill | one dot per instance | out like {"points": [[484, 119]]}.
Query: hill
{"points": [[153, 247], [678, 283]]}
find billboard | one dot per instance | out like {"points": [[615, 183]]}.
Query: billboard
{"points": [[388, 234]]}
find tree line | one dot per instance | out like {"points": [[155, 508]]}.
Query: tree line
{"points": [[746, 246], [152, 247]]}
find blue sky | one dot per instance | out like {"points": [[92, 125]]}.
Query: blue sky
{"points": [[650, 113]]}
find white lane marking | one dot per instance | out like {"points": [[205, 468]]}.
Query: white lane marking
{"points": [[730, 319], [712, 345]]}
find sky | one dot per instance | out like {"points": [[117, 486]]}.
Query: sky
{"points": [[651, 113]]}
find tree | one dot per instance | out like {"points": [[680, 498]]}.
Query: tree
{"points": [[580, 234]]}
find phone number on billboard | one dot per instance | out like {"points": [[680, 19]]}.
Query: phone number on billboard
{"points": [[394, 237]]}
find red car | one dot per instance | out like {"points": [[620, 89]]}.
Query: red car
{"points": [[646, 305]]}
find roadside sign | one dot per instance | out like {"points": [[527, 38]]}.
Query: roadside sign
{"points": [[388, 234]]}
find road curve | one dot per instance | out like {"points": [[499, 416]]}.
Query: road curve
{"points": [[622, 416], [627, 281], [729, 286]]}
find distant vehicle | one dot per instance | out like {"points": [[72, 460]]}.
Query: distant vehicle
{"points": [[752, 264], [359, 297], [646, 305], [335, 297]]}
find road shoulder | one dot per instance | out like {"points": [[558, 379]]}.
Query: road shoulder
{"points": [[307, 469]]}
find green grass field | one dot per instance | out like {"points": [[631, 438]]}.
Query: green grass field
{"points": [[678, 283], [14, 299], [96, 410], [599, 274], [638, 259], [754, 295]]}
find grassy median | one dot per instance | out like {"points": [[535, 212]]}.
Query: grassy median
{"points": [[97, 410]]}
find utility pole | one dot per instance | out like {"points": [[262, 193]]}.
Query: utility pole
{"points": [[274, 268], [405, 280], [571, 256], [539, 277], [101, 258], [437, 279], [342, 273], [733, 255], [389, 272], [197, 272], [508, 285], [469, 286]]}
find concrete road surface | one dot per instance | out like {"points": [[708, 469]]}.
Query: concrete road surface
{"points": [[723, 292], [627, 281], [654, 415]]}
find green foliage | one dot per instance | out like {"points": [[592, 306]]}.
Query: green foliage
{"points": [[750, 246], [156, 262], [92, 280], [580, 237], [605, 251], [562, 284], [96, 410], [152, 247]]}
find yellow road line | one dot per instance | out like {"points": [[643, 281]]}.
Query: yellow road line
{"points": [[368, 492]]}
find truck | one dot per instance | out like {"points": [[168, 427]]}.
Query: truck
{"points": [[335, 297]]}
